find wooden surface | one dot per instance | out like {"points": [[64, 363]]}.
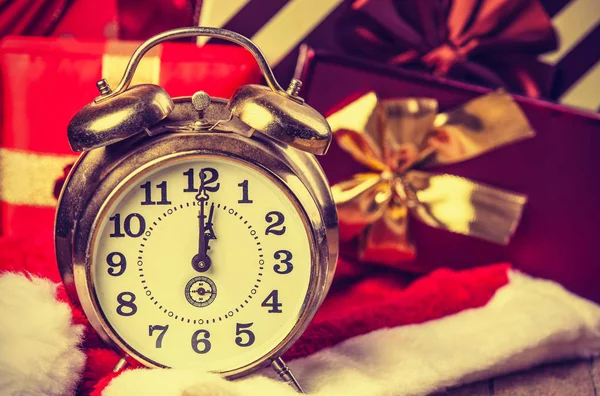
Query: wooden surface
{"points": [[574, 378]]}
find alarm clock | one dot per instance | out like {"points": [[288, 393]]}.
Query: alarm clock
{"points": [[198, 232]]}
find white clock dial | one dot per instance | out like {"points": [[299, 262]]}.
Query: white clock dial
{"points": [[214, 279]]}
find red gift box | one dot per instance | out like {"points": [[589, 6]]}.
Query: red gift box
{"points": [[556, 170], [44, 82]]}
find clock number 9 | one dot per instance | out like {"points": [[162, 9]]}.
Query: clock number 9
{"points": [[288, 265], [241, 328], [126, 306], [203, 342], [141, 226], [207, 175], [277, 219], [121, 264]]}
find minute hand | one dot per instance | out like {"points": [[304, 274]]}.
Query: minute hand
{"points": [[201, 230]]}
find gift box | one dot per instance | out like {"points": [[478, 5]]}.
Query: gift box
{"points": [[44, 82], [484, 42], [555, 170]]}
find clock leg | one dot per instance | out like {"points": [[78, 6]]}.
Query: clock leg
{"points": [[285, 374], [120, 365]]}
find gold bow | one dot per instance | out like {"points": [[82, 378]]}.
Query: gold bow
{"points": [[397, 139]]}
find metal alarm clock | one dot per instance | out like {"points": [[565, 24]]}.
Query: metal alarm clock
{"points": [[198, 232]]}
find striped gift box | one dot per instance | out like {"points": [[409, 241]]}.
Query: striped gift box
{"points": [[577, 60], [279, 27]]}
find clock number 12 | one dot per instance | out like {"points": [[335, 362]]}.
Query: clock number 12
{"points": [[208, 177]]}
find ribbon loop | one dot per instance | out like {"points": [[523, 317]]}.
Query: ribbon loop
{"points": [[465, 207], [394, 137], [486, 42], [483, 124], [360, 201]]}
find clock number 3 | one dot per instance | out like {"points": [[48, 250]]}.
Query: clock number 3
{"points": [[287, 256], [161, 329], [201, 345]]}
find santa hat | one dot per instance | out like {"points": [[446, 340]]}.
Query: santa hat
{"points": [[380, 334]]}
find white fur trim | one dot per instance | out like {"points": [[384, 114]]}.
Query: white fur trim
{"points": [[38, 343], [527, 322], [189, 383]]}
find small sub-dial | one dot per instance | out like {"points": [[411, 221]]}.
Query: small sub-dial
{"points": [[200, 291]]}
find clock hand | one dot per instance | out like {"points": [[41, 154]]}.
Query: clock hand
{"points": [[201, 261], [209, 231]]}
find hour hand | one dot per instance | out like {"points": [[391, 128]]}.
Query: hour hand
{"points": [[201, 261], [209, 230]]}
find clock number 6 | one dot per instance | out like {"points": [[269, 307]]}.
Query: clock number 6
{"points": [[286, 260], [241, 328], [203, 342], [272, 301], [161, 329]]}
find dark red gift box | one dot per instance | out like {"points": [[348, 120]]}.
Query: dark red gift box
{"points": [[45, 81], [557, 169]]}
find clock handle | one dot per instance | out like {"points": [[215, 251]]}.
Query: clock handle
{"points": [[107, 93], [125, 111]]}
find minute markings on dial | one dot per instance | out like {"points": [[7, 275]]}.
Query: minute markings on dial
{"points": [[253, 290]]}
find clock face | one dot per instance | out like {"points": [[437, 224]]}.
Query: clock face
{"points": [[201, 262]]}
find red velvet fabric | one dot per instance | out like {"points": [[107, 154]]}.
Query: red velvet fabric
{"points": [[354, 306]]}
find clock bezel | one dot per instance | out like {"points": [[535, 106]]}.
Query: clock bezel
{"points": [[136, 176], [82, 198]]}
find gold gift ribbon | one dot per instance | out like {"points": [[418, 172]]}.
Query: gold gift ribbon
{"points": [[28, 178], [399, 139]]}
